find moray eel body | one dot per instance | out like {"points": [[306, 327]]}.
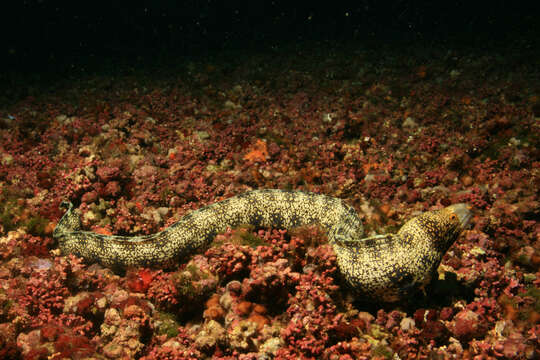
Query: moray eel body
{"points": [[382, 267]]}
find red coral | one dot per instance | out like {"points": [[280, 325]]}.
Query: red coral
{"points": [[271, 282], [38, 353], [73, 347], [436, 331], [429, 145], [311, 305], [89, 197], [230, 260], [179, 347], [44, 296], [163, 291], [106, 173], [8, 341], [468, 325], [475, 197], [50, 332], [36, 246], [133, 300], [139, 280], [112, 188]]}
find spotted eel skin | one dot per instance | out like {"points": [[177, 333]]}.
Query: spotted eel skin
{"points": [[382, 267]]}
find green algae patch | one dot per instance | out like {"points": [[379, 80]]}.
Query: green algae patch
{"points": [[242, 235], [167, 325], [14, 214]]}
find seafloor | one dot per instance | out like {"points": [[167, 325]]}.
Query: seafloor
{"points": [[394, 132]]}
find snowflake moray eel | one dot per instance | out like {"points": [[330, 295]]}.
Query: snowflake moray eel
{"points": [[382, 267]]}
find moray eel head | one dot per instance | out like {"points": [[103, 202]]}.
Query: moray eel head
{"points": [[411, 259], [437, 229], [451, 221]]}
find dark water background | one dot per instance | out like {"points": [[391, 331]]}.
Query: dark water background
{"points": [[52, 38]]}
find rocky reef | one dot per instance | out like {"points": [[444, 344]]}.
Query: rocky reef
{"points": [[392, 135]]}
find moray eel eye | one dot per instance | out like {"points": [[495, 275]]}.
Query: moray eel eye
{"points": [[461, 212]]}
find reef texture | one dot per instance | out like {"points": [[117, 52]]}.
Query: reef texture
{"points": [[392, 133]]}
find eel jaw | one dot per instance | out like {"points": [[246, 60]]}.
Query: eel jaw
{"points": [[463, 212]]}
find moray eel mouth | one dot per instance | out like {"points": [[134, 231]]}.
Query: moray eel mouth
{"points": [[463, 213]]}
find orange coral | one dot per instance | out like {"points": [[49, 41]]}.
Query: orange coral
{"points": [[421, 71], [102, 231], [368, 166], [258, 152]]}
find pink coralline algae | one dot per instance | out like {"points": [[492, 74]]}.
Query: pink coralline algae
{"points": [[231, 260], [106, 174], [390, 138], [140, 280], [312, 316], [163, 291], [120, 335], [271, 282], [54, 342], [467, 325], [44, 295], [8, 341]]}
